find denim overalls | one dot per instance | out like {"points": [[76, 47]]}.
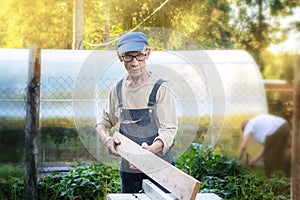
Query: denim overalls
{"points": [[140, 126]]}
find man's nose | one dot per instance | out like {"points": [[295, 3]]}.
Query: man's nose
{"points": [[134, 61]]}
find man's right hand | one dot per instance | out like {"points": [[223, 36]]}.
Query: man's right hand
{"points": [[110, 143]]}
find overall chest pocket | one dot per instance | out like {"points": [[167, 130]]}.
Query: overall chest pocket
{"points": [[140, 117]]}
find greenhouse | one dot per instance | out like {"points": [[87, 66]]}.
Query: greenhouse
{"points": [[214, 91]]}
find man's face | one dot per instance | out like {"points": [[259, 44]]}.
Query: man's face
{"points": [[135, 62]]}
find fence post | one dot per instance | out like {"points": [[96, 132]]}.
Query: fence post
{"points": [[295, 176], [32, 122]]}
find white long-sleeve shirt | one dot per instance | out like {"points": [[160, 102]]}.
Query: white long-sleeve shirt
{"points": [[263, 125], [137, 98]]}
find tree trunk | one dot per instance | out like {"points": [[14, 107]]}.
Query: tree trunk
{"points": [[295, 176], [78, 25], [260, 36], [107, 29]]}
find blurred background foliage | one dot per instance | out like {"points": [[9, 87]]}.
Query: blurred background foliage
{"points": [[251, 25]]}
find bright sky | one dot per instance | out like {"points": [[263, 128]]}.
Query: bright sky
{"points": [[292, 44]]}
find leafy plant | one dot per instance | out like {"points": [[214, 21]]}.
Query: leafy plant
{"points": [[227, 178], [11, 188], [85, 182], [218, 174], [200, 162], [8, 170]]}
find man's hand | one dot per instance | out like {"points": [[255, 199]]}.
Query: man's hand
{"points": [[152, 148], [110, 143], [131, 166], [253, 162], [146, 146], [156, 147]]}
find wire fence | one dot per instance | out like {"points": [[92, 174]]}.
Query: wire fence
{"points": [[59, 140], [68, 115], [75, 87]]}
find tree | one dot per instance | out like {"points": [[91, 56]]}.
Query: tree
{"points": [[288, 62], [46, 23], [279, 66], [205, 21], [209, 22], [78, 25], [101, 24], [255, 25]]}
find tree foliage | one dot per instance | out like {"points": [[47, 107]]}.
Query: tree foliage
{"points": [[279, 66], [251, 25], [46, 23], [50, 23], [205, 21], [257, 26]]}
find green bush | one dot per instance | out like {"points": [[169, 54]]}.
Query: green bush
{"points": [[200, 162], [8, 170], [11, 188], [12, 144], [85, 182], [218, 174], [227, 178], [280, 105]]}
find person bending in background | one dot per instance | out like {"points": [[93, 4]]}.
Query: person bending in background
{"points": [[143, 107], [273, 133]]}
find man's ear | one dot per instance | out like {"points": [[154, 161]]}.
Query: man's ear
{"points": [[120, 57], [149, 51]]}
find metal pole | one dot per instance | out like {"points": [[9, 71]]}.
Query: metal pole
{"points": [[295, 174], [32, 122]]}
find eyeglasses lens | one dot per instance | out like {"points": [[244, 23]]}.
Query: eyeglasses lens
{"points": [[129, 58]]}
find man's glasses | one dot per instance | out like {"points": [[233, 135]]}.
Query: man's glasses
{"points": [[129, 58]]}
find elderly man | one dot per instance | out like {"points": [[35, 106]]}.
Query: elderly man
{"points": [[274, 133], [143, 107]]}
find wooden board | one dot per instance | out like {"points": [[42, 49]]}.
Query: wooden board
{"points": [[180, 184], [200, 196], [154, 192]]}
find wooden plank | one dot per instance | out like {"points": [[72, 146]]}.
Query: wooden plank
{"points": [[151, 190], [127, 197], [180, 184], [141, 196]]}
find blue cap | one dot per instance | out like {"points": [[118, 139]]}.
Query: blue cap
{"points": [[134, 41]]}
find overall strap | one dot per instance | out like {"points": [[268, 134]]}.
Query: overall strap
{"points": [[119, 93], [152, 97]]}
